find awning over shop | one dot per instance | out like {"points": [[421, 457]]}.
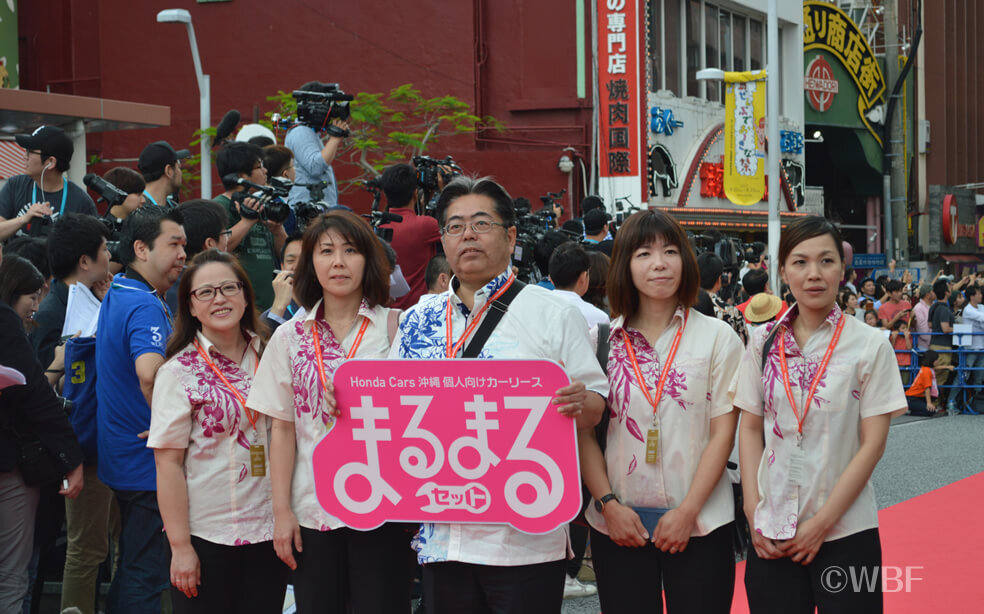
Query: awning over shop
{"points": [[962, 258], [726, 219]]}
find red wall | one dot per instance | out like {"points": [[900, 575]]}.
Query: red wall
{"points": [[512, 59]]}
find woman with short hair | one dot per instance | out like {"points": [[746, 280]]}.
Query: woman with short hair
{"points": [[663, 512], [342, 280]]}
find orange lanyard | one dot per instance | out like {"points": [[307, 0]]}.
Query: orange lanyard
{"points": [[317, 349], [251, 416], [453, 351], [664, 372], [816, 378]]}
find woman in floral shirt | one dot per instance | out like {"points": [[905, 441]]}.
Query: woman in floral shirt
{"points": [[815, 417], [664, 508], [212, 486], [342, 280]]}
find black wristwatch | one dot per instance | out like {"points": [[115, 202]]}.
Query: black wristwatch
{"points": [[600, 503]]}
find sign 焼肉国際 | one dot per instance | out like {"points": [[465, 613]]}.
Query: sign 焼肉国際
{"points": [[449, 441]]}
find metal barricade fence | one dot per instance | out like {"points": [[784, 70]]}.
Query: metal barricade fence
{"points": [[968, 363]]}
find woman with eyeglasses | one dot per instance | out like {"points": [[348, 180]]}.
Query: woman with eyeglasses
{"points": [[213, 484], [342, 280]]}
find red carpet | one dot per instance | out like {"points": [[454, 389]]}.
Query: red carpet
{"points": [[939, 537]]}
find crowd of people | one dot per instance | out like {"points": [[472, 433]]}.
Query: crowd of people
{"points": [[196, 342]]}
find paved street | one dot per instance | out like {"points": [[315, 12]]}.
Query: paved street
{"points": [[922, 454]]}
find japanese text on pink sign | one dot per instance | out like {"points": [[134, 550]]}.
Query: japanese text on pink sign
{"points": [[449, 441]]}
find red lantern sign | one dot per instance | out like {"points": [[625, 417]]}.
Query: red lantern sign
{"points": [[949, 219]]}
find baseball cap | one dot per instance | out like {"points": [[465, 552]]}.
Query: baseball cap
{"points": [[49, 139], [157, 155], [594, 221]]}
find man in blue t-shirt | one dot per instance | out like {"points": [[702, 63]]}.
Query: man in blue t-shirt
{"points": [[132, 331]]}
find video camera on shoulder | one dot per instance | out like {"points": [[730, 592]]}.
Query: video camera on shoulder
{"points": [[320, 103]]}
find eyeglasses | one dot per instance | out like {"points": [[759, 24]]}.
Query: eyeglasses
{"points": [[481, 227], [258, 166], [37, 152], [226, 233], [227, 289]]}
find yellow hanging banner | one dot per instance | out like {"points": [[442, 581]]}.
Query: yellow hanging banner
{"points": [[744, 137]]}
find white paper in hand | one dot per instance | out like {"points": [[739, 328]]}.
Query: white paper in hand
{"points": [[81, 312]]}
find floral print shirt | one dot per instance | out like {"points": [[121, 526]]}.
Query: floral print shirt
{"points": [[696, 391], [861, 380], [288, 387], [538, 324], [193, 409]]}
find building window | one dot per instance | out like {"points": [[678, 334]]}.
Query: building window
{"points": [[715, 38], [756, 45], [711, 46], [724, 19], [694, 59], [664, 45], [738, 46]]}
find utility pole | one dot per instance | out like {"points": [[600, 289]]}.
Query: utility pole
{"points": [[895, 194]]}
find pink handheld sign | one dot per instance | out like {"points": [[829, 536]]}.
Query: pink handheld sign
{"points": [[449, 441]]}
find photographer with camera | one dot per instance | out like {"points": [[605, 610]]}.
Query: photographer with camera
{"points": [[321, 107], [30, 202], [160, 166], [257, 231], [415, 239], [129, 182]]}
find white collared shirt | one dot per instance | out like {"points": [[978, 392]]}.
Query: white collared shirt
{"points": [[193, 409], [696, 391], [592, 315], [288, 387], [538, 324], [861, 381], [975, 316]]}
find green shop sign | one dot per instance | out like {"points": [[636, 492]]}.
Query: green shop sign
{"points": [[829, 34]]}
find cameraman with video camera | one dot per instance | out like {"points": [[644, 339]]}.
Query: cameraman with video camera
{"points": [[323, 108], [257, 229]]}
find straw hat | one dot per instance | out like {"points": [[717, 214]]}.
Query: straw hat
{"points": [[762, 308]]}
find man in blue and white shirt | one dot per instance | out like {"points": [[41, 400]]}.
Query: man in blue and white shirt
{"points": [[487, 567]]}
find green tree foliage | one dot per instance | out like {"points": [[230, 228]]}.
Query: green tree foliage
{"points": [[393, 127]]}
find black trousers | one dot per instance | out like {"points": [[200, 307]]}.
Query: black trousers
{"points": [[458, 588], [249, 578], [365, 572], [844, 578], [699, 579]]}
